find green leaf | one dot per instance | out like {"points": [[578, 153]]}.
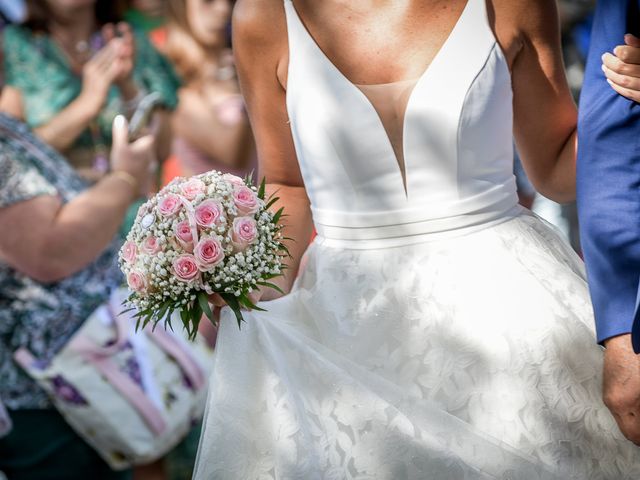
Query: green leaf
{"points": [[163, 310], [196, 326], [233, 303], [271, 285], [271, 202], [184, 316], [262, 189], [204, 304], [244, 300], [277, 215], [196, 313]]}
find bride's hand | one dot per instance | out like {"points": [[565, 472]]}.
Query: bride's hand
{"points": [[263, 294], [622, 68]]}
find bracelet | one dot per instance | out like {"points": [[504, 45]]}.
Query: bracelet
{"points": [[127, 178]]}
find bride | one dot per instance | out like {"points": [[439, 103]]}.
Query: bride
{"points": [[435, 330]]}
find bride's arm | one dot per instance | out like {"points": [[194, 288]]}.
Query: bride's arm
{"points": [[545, 116], [261, 53]]}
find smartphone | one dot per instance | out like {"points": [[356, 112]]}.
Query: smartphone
{"points": [[142, 115]]}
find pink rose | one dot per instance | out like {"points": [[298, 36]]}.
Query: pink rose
{"points": [[208, 213], [185, 268], [243, 232], [184, 235], [246, 200], [151, 246], [233, 179], [137, 281], [209, 253], [129, 252], [169, 204], [192, 188]]}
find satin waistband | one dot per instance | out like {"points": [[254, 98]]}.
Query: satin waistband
{"points": [[405, 233]]}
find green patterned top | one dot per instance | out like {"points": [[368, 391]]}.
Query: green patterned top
{"points": [[35, 65]]}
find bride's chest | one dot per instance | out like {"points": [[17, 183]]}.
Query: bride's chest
{"points": [[384, 44]]}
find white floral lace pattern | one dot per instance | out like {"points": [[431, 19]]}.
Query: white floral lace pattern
{"points": [[470, 358]]}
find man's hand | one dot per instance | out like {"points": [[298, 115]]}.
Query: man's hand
{"points": [[622, 385], [622, 68]]}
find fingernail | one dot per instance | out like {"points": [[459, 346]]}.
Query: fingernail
{"points": [[604, 56], [119, 121], [604, 68]]}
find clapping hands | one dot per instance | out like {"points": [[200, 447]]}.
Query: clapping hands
{"points": [[111, 65]]}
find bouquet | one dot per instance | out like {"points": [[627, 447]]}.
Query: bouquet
{"points": [[212, 233]]}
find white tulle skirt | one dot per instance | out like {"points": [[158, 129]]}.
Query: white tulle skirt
{"points": [[467, 358]]}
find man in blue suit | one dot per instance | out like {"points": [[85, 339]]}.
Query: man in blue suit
{"points": [[609, 201]]}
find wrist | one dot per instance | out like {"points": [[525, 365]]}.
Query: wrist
{"points": [[125, 178], [89, 105], [619, 341]]}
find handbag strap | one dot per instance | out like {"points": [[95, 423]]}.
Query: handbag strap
{"points": [[119, 380], [167, 342], [130, 391], [82, 344], [100, 357]]}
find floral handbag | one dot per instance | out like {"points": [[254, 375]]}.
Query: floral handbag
{"points": [[131, 396]]}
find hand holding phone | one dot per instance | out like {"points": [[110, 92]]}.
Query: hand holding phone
{"points": [[142, 115]]}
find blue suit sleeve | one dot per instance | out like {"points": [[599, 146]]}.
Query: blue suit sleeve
{"points": [[609, 183]]}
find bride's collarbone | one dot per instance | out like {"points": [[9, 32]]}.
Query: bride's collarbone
{"points": [[380, 41]]}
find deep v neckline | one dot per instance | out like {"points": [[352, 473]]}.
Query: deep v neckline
{"points": [[401, 156]]}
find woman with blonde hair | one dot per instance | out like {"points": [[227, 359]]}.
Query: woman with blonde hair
{"points": [[210, 125]]}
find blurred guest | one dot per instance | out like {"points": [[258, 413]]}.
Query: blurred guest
{"points": [[573, 13], [71, 68], [58, 263], [576, 17], [145, 15], [13, 11], [210, 125]]}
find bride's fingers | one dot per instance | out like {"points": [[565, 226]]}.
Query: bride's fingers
{"points": [[625, 92], [216, 300], [254, 297], [623, 64], [627, 54], [623, 77], [632, 40], [630, 83]]}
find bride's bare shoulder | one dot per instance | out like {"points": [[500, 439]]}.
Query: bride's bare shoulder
{"points": [[259, 21], [260, 41], [518, 23]]}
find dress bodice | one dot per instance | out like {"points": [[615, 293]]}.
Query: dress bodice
{"points": [[456, 169]]}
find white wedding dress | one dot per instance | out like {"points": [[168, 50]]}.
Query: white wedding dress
{"points": [[436, 329]]}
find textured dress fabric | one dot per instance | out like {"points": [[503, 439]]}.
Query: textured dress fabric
{"points": [[436, 329]]}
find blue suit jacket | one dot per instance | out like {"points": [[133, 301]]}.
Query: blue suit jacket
{"points": [[609, 180]]}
